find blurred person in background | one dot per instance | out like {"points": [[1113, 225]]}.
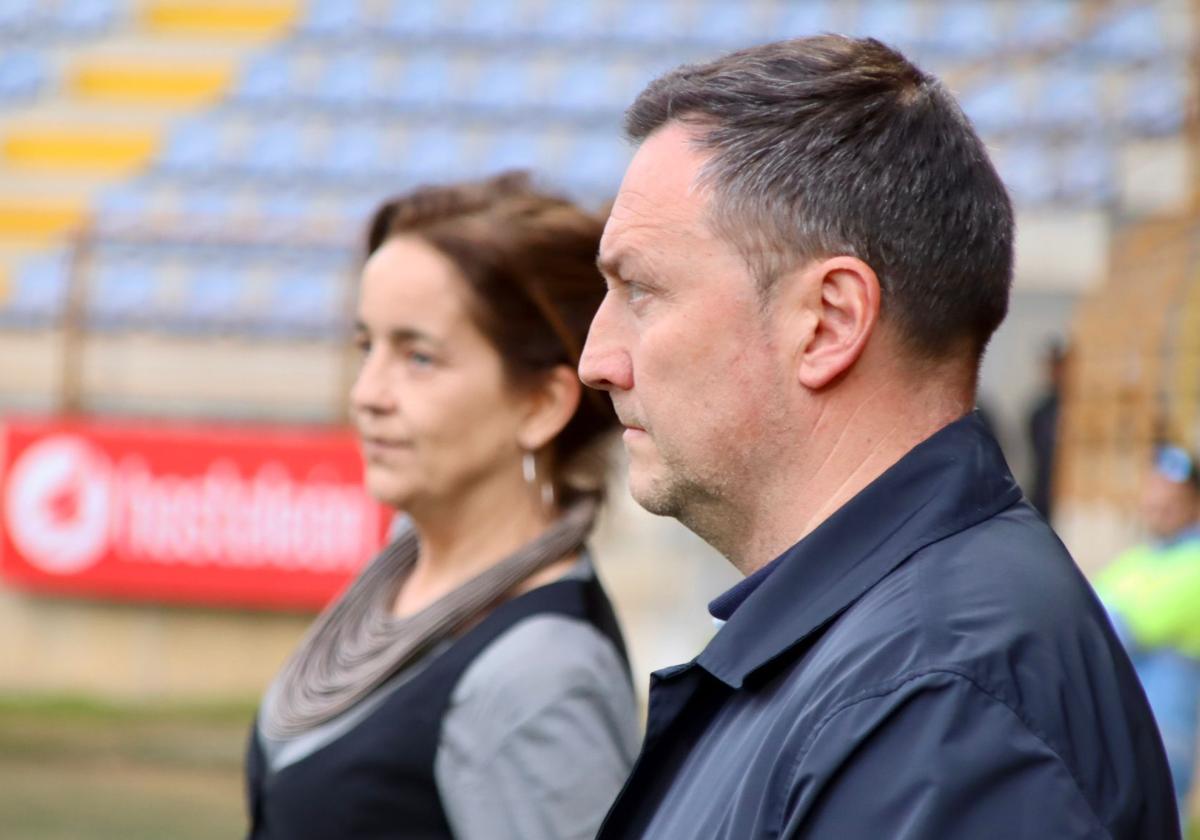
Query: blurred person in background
{"points": [[808, 254], [1152, 593], [1043, 430], [472, 681]]}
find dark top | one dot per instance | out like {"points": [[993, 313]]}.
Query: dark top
{"points": [[928, 663], [378, 780]]}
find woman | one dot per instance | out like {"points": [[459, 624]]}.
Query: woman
{"points": [[472, 682]]}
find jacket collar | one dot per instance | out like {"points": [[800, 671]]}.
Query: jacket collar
{"points": [[951, 481]]}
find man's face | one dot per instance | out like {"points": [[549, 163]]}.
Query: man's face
{"points": [[681, 342], [1167, 506]]}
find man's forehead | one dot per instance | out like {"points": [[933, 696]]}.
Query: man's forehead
{"points": [[660, 194]]}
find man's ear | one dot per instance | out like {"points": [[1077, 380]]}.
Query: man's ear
{"points": [[843, 298], [551, 406]]}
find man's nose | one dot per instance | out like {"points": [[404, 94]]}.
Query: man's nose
{"points": [[605, 363]]}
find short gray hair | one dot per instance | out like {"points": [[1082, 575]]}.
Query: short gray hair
{"points": [[830, 145]]}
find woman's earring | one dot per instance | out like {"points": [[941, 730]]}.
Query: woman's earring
{"points": [[529, 468]]}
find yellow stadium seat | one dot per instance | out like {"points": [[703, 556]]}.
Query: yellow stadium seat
{"points": [[144, 81], [95, 150], [190, 16], [36, 220]]}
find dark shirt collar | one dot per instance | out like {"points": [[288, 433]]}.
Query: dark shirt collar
{"points": [[955, 479]]}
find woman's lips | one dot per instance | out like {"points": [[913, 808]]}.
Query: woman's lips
{"points": [[375, 447]]}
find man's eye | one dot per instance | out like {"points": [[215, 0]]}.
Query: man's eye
{"points": [[636, 292]]}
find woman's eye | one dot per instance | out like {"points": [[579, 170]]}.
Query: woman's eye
{"points": [[362, 346], [416, 357]]}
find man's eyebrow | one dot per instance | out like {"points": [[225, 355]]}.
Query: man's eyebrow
{"points": [[609, 266]]}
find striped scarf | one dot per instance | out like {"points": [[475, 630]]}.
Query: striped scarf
{"points": [[357, 643]]}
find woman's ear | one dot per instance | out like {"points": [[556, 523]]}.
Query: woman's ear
{"points": [[551, 406]]}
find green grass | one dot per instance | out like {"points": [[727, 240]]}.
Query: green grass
{"points": [[75, 769]]}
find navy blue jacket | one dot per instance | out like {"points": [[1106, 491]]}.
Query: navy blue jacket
{"points": [[928, 663]]}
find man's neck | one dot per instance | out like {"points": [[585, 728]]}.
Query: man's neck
{"points": [[843, 452]]}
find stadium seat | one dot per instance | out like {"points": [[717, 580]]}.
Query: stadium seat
{"points": [[1042, 24], [267, 81], [582, 20], [722, 24], [1028, 173], [276, 152], [414, 21], [797, 20], [213, 297], [1068, 98], [1132, 34], [37, 293], [994, 106], [305, 303], [86, 17], [426, 81], [966, 29], [1086, 174], [492, 21], [589, 86], [647, 22], [20, 16], [892, 21], [347, 81], [23, 75], [354, 153], [1155, 102], [516, 149], [196, 147], [507, 82], [123, 291], [595, 163], [433, 154], [333, 19]]}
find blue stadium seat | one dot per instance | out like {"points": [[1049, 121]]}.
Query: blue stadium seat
{"points": [[206, 207], [1086, 174], [23, 75], [1068, 98], [1027, 172], [305, 303], [86, 17], [504, 83], [721, 24], [123, 292], [269, 80], [1132, 34], [892, 21], [213, 298], [1041, 24], [995, 106], [354, 153], [433, 154], [580, 20], [425, 82], [1155, 102], [588, 86], [966, 28], [492, 20], [515, 149], [38, 295], [195, 147], [413, 21], [796, 20], [20, 16], [276, 152], [333, 19], [347, 81], [647, 22], [596, 163]]}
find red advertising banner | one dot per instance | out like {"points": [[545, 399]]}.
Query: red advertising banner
{"points": [[267, 517]]}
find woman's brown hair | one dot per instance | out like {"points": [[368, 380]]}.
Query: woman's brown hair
{"points": [[529, 258]]}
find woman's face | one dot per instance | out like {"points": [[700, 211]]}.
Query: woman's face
{"points": [[435, 414]]}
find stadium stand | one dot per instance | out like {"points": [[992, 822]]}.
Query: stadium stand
{"points": [[291, 119]]}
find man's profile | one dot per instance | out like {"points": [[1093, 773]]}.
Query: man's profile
{"points": [[808, 255]]}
